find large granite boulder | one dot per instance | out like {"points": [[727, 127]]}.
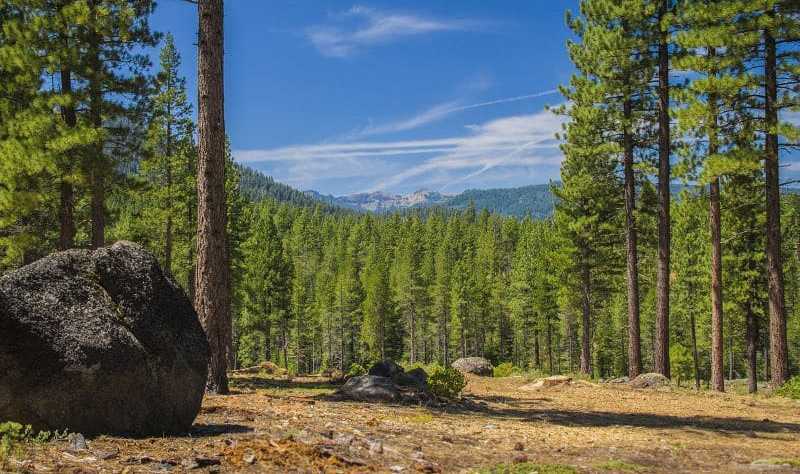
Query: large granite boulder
{"points": [[474, 365], [100, 342]]}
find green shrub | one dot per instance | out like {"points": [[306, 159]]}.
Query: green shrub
{"points": [[506, 369], [356, 370], [682, 364], [791, 389], [12, 435], [528, 468], [446, 382]]}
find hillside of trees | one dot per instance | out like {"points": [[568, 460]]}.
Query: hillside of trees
{"points": [[535, 201]]}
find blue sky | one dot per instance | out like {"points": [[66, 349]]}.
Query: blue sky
{"points": [[396, 96]]}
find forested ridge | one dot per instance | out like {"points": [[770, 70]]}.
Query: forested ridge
{"points": [[634, 272]]}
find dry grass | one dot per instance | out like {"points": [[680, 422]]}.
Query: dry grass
{"points": [[274, 425]]}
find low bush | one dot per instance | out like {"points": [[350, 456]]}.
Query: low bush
{"points": [[506, 369], [356, 370], [13, 435], [446, 382], [791, 389]]}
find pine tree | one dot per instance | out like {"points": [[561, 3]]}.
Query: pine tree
{"points": [[588, 201], [779, 27], [661, 38], [692, 257], [26, 131], [212, 282], [613, 51], [409, 289], [267, 276], [380, 330], [170, 153]]}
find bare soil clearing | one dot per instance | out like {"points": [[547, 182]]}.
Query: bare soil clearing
{"points": [[275, 425]]}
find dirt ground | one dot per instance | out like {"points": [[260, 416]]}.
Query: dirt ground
{"points": [[276, 425]]}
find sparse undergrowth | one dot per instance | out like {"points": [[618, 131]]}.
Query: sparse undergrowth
{"points": [[506, 369], [795, 463], [528, 468], [616, 465], [791, 389], [13, 437], [356, 370], [446, 382]]}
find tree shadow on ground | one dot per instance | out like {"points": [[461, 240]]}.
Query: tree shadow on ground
{"points": [[254, 382], [530, 410], [203, 430]]}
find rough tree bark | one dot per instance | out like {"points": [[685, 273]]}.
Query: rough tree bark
{"points": [[715, 224], [212, 281], [634, 340], [550, 348], [661, 346], [777, 312], [695, 354], [717, 347]]}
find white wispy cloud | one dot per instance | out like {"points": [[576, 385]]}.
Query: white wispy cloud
{"points": [[520, 141], [438, 112], [376, 27], [517, 141]]}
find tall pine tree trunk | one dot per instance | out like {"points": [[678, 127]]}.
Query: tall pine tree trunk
{"points": [[777, 312], [661, 346], [413, 342], [634, 341], [66, 236], [550, 347], [212, 293], [717, 355], [695, 354], [752, 348], [586, 348], [715, 224]]}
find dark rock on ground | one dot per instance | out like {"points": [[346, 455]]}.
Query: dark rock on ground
{"points": [[474, 365], [650, 380], [370, 388], [397, 386], [419, 376], [623, 379], [386, 368], [99, 342]]}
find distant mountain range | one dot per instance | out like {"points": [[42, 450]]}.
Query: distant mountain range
{"points": [[535, 200]]}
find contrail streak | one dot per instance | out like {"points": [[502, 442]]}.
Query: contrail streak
{"points": [[503, 101]]}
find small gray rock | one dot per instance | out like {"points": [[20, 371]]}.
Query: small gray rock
{"points": [[77, 442], [650, 380]]}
